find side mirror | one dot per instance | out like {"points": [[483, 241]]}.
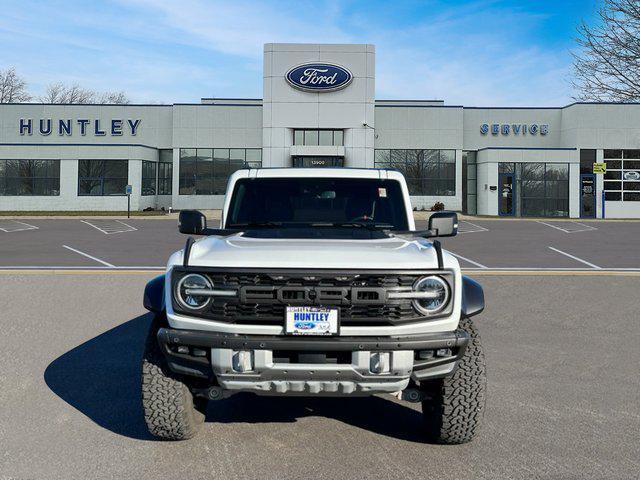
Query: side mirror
{"points": [[192, 222], [445, 223]]}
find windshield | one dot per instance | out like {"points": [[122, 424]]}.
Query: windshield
{"points": [[339, 203]]}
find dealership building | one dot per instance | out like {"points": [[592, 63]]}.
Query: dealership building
{"points": [[319, 110]]}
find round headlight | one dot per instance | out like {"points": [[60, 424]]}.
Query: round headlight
{"points": [[437, 294], [185, 295]]}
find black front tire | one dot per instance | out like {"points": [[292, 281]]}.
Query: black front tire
{"points": [[453, 407], [169, 408]]}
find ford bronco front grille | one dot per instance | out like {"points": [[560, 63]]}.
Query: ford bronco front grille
{"points": [[262, 296]]}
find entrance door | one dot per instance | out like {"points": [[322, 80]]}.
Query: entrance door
{"points": [[587, 195], [506, 194]]}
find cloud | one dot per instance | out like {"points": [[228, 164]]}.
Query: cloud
{"points": [[472, 53]]}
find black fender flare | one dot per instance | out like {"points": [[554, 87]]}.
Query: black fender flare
{"points": [[154, 294], [472, 297]]}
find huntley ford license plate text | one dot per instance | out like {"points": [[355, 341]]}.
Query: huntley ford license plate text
{"points": [[311, 321]]}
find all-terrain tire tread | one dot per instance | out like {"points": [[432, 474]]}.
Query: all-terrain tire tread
{"points": [[455, 410], [168, 404]]}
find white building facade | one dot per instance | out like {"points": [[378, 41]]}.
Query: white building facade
{"points": [[319, 109]]}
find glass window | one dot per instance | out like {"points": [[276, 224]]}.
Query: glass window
{"points": [[587, 159], [318, 137], [427, 172], [382, 159], [614, 196], [631, 196], [311, 137], [148, 178], [299, 202], [325, 138], [632, 165], [165, 155], [206, 171], [533, 171], [614, 164], [165, 178], [187, 171], [627, 169], [506, 167], [542, 189], [254, 157], [557, 171], [469, 182], [30, 177], [102, 177]]}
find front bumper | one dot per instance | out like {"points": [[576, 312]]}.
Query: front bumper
{"points": [[351, 375]]}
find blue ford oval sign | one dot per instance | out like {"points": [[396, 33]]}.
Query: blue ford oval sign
{"points": [[319, 77]]}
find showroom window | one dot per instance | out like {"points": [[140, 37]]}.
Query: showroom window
{"points": [[102, 177], [542, 189], [205, 171], [30, 177], [322, 138], [469, 182], [622, 180], [148, 178], [428, 172], [165, 172]]}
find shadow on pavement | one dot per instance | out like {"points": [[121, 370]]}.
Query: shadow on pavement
{"points": [[375, 414], [101, 379]]}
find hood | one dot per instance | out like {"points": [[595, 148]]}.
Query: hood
{"points": [[239, 251]]}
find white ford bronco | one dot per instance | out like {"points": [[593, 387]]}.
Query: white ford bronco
{"points": [[316, 283]]}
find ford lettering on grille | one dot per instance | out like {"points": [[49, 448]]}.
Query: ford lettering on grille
{"points": [[313, 295]]}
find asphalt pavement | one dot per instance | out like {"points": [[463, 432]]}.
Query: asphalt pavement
{"points": [[563, 391], [481, 244]]}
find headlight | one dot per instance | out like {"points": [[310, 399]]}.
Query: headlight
{"points": [[436, 294], [185, 291]]}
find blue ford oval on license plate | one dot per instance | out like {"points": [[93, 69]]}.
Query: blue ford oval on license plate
{"points": [[311, 321]]}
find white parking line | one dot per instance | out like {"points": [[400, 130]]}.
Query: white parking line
{"points": [[10, 226], [467, 260], [476, 228], [89, 256], [109, 227], [586, 228], [576, 258]]}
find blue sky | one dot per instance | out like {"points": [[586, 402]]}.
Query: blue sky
{"points": [[475, 53]]}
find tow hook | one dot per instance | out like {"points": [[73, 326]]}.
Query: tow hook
{"points": [[211, 393], [412, 395]]}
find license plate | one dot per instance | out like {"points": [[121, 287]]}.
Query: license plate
{"points": [[311, 321]]}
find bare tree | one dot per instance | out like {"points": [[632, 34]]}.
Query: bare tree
{"points": [[61, 93], [607, 67], [119, 98], [75, 94], [12, 87]]}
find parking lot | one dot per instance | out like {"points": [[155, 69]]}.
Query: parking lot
{"points": [[562, 403], [560, 333], [481, 245]]}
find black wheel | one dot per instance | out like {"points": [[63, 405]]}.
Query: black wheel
{"points": [[453, 407], [169, 408]]}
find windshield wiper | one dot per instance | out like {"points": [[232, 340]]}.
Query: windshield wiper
{"points": [[256, 225], [368, 226]]}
